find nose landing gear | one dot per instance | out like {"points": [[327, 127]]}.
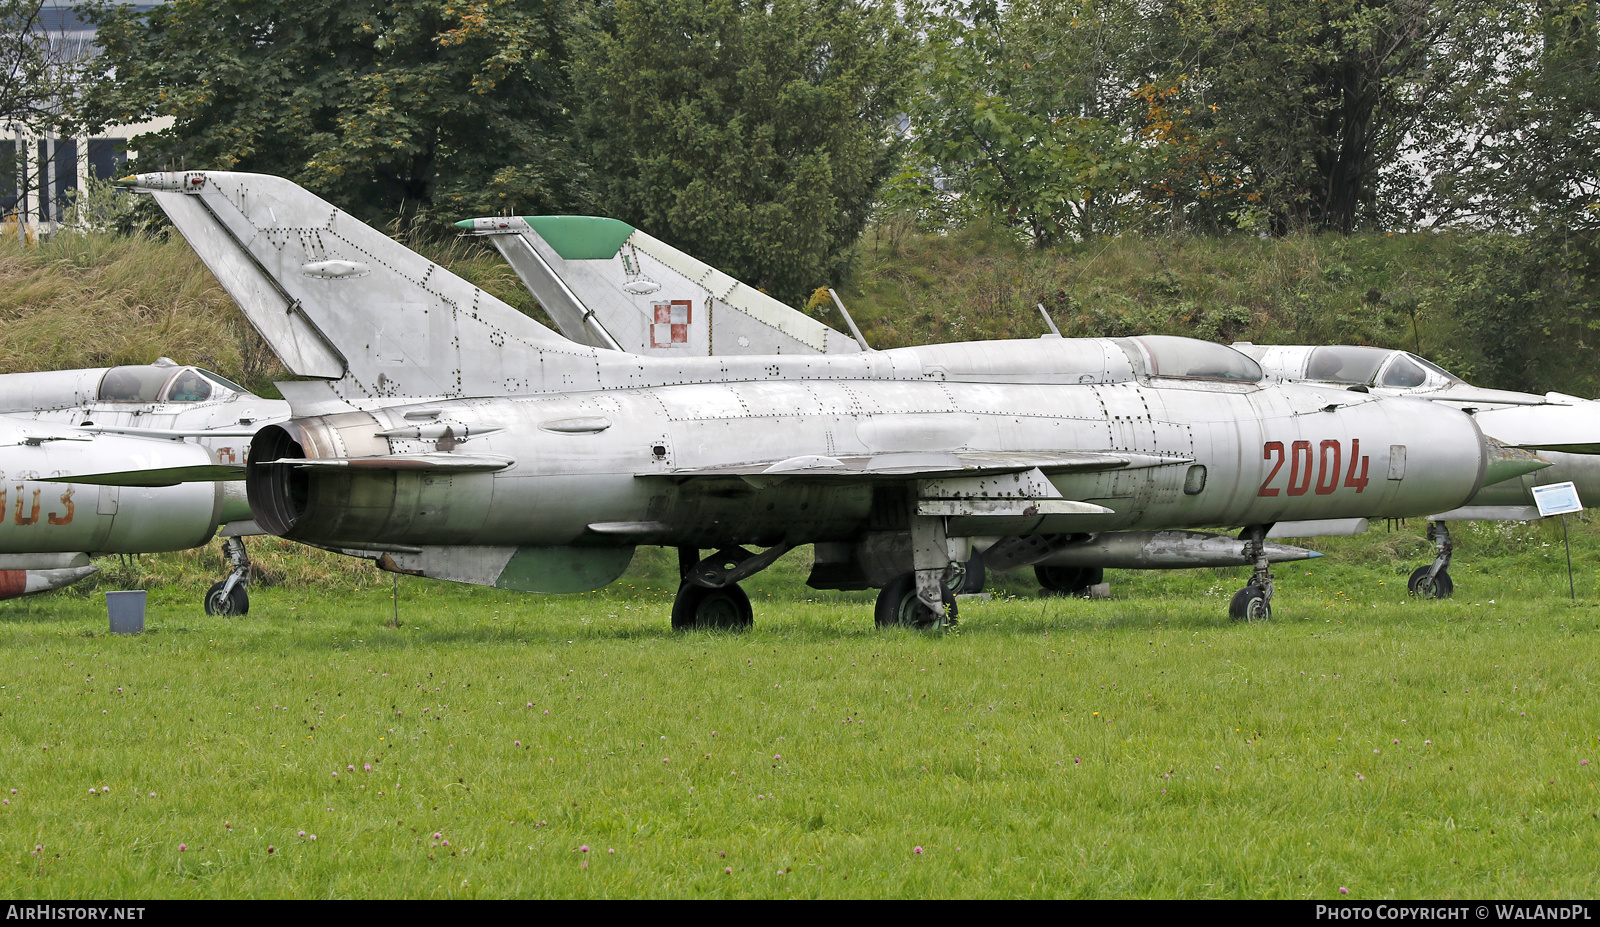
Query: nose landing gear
{"points": [[1433, 581], [230, 597], [1254, 601]]}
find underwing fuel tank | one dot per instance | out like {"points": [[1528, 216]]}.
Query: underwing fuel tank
{"points": [[15, 583], [1166, 550]]}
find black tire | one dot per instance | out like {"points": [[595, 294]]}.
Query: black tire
{"points": [[235, 603], [1063, 580], [725, 609], [972, 582], [1439, 586], [1250, 604], [899, 607]]}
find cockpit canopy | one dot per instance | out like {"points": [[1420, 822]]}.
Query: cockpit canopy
{"points": [[164, 382], [1192, 359], [1373, 367]]}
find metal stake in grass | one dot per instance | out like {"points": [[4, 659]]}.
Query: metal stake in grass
{"points": [[1559, 499], [1571, 592]]}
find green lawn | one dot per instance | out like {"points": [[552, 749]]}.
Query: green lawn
{"points": [[1137, 746]]}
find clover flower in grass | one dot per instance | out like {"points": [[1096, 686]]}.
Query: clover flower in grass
{"points": [[367, 767]]}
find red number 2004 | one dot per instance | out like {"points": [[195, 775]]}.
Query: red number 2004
{"points": [[1314, 470]]}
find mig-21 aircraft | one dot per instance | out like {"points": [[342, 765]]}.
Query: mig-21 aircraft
{"points": [[445, 434], [48, 528], [607, 284], [164, 415], [618, 280]]}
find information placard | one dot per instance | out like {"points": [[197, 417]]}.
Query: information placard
{"points": [[1556, 499]]}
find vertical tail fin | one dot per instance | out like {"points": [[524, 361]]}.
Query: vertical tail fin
{"points": [[339, 300], [606, 283]]}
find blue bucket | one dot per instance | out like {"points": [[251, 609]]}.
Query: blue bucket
{"points": [[127, 611]]}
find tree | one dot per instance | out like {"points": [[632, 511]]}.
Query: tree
{"points": [[1025, 111], [751, 133], [38, 70], [393, 109], [1316, 99]]}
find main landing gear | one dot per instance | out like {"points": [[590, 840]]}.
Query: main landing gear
{"points": [[900, 604], [1433, 581], [230, 597], [1254, 601], [1069, 581], [709, 596]]}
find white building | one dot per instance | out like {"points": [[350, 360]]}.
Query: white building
{"points": [[46, 168]]}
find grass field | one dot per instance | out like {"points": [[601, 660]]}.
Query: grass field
{"points": [[574, 746]]}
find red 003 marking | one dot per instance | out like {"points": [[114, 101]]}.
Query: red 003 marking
{"points": [[1318, 470]]}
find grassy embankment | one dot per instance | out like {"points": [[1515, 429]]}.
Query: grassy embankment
{"points": [[92, 300]]}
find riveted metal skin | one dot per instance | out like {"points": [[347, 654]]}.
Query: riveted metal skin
{"points": [[752, 450]]}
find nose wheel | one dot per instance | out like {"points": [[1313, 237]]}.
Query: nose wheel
{"points": [[1254, 601], [1433, 581], [230, 597]]}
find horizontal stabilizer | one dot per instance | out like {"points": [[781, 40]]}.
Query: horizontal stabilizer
{"points": [[1571, 429], [523, 569], [446, 463], [164, 476]]}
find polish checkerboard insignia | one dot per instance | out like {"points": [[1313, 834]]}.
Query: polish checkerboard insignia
{"points": [[671, 325]]}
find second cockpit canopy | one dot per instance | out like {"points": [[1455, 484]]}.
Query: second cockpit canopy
{"points": [[164, 381]]}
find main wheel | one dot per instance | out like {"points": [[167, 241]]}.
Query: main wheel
{"points": [[1064, 580], [236, 602], [899, 607], [1438, 586], [725, 609], [1250, 604]]}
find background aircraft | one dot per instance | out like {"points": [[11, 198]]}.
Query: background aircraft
{"points": [[453, 437], [48, 528], [1563, 430], [140, 410]]}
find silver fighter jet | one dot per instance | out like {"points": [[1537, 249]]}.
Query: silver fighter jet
{"points": [[607, 284], [48, 528], [445, 434], [151, 406]]}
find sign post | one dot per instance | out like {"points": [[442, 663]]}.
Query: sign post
{"points": [[1559, 499]]}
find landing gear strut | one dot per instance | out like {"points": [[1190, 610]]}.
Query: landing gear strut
{"points": [[1254, 601], [229, 596], [1433, 581]]}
